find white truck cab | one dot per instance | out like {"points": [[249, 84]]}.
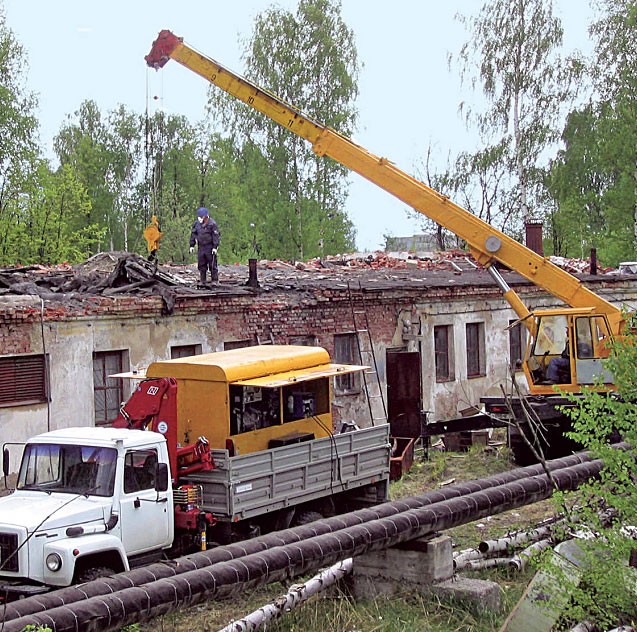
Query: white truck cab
{"points": [[88, 502]]}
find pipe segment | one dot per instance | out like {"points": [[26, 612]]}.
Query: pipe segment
{"points": [[171, 568], [223, 579]]}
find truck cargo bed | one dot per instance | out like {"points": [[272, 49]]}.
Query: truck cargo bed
{"points": [[255, 484]]}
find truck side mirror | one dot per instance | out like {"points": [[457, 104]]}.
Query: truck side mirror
{"points": [[161, 477], [5, 462]]}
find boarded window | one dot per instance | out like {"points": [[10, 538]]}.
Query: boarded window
{"points": [[184, 351], [442, 351], [107, 391], [346, 352], [23, 380], [476, 365]]}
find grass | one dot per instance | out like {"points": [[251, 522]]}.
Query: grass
{"points": [[404, 612], [408, 610]]}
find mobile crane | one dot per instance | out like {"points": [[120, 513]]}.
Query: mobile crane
{"points": [[566, 346]]}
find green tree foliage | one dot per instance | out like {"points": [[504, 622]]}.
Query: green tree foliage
{"points": [[171, 166], [58, 232], [608, 593], [513, 56], [82, 145], [171, 185], [593, 179], [123, 146], [308, 59], [18, 146], [577, 184]]}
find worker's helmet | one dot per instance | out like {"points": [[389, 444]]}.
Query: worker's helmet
{"points": [[202, 212]]}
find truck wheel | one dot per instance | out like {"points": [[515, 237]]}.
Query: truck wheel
{"points": [[305, 517], [91, 574]]}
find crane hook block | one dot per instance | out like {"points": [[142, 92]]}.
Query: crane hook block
{"points": [[162, 49]]}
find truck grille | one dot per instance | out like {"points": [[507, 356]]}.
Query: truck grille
{"points": [[8, 552]]}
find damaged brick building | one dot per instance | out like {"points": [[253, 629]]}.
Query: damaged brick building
{"points": [[439, 329]]}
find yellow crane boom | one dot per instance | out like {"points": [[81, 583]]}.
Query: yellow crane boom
{"points": [[486, 243]]}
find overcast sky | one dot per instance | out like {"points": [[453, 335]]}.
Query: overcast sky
{"points": [[85, 49]]}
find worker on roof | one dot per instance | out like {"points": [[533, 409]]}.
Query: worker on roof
{"points": [[205, 233]]}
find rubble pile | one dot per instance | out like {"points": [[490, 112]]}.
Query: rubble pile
{"points": [[451, 260], [577, 266], [105, 274]]}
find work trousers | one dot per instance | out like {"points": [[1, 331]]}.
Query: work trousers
{"points": [[207, 261]]}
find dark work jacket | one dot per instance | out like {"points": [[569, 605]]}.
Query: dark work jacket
{"points": [[206, 235]]}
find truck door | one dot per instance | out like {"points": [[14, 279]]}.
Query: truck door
{"points": [[404, 393], [144, 518]]}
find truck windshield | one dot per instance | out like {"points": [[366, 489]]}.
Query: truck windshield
{"points": [[74, 469]]}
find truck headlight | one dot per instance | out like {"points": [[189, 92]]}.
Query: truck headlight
{"points": [[53, 562]]}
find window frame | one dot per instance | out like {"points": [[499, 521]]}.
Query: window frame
{"points": [[475, 348], [443, 353], [184, 351], [106, 388], [346, 352], [228, 345]]}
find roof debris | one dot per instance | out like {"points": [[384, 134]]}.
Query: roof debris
{"points": [[118, 273]]}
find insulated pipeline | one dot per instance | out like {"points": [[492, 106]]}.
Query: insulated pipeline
{"points": [[154, 572], [136, 604]]}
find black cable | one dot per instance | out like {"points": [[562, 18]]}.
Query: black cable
{"points": [[333, 450]]}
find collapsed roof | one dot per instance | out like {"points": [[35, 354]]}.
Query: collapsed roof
{"points": [[122, 273]]}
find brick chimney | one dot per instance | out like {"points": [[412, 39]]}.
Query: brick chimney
{"points": [[534, 236]]}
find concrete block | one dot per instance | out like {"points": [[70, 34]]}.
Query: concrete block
{"points": [[416, 564], [479, 595]]}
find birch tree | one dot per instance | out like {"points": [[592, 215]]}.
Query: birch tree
{"points": [[513, 56]]}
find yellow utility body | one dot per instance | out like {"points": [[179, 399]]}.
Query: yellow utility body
{"points": [[253, 398]]}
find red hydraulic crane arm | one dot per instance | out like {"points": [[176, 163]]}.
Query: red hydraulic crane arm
{"points": [[486, 243]]}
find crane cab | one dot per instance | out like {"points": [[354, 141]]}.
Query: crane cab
{"points": [[568, 350]]}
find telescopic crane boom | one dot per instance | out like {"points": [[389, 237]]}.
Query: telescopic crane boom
{"points": [[591, 318], [487, 244]]}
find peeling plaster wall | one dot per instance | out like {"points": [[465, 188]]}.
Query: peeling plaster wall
{"points": [[446, 400], [398, 317]]}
